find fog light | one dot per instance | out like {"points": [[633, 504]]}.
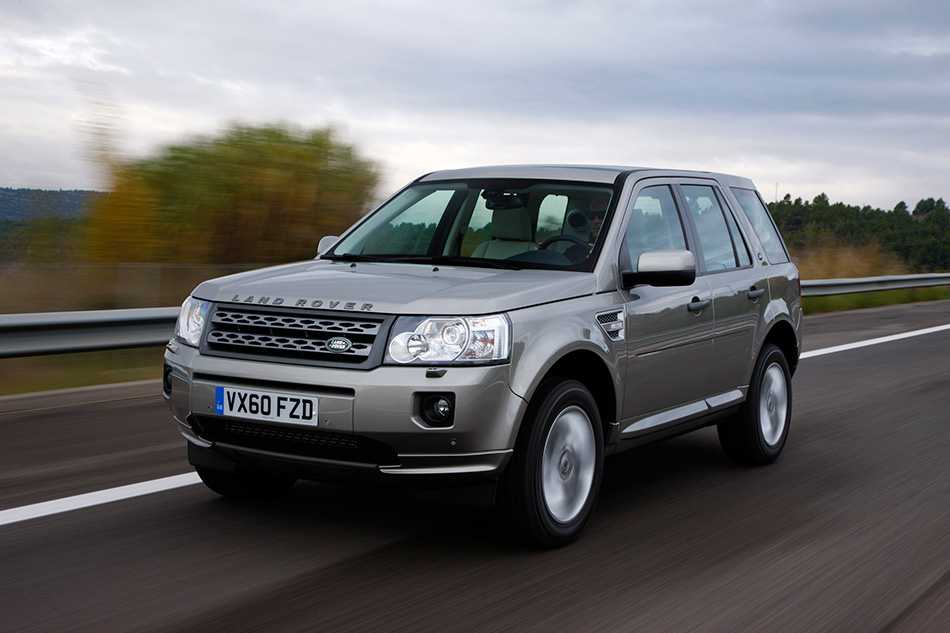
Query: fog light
{"points": [[167, 380], [438, 409]]}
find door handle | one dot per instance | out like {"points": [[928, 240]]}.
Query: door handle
{"points": [[754, 294], [698, 306]]}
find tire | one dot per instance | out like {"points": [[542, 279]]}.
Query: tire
{"points": [[757, 434], [549, 488], [245, 484]]}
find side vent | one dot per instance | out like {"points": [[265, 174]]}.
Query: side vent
{"points": [[612, 324]]}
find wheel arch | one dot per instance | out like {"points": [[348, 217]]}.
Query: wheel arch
{"points": [[782, 335], [589, 369]]}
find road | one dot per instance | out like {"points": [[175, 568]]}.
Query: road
{"points": [[848, 531]]}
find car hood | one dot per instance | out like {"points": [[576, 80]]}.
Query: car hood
{"points": [[396, 288]]}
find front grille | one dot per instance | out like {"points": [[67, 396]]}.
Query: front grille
{"points": [[268, 334], [302, 442]]}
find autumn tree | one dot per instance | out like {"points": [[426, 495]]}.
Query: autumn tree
{"points": [[251, 195]]}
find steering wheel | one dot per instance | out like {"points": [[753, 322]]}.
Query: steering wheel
{"points": [[568, 238]]}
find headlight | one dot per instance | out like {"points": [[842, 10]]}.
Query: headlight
{"points": [[469, 340], [191, 319]]}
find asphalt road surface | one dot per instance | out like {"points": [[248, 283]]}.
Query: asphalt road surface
{"points": [[848, 531]]}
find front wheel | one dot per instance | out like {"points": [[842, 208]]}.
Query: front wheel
{"points": [[549, 489], [757, 434]]}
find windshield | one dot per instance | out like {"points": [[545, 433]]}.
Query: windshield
{"points": [[511, 224]]}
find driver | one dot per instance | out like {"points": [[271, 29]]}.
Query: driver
{"points": [[598, 208], [595, 220]]}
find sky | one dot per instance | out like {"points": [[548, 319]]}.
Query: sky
{"points": [[845, 97]]}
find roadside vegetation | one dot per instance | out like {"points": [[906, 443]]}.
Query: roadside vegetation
{"points": [[63, 371], [249, 197], [253, 195], [920, 238], [833, 260], [834, 240]]}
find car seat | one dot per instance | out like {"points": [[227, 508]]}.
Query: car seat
{"points": [[511, 235]]}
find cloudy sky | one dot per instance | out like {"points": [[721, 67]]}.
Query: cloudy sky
{"points": [[847, 97]]}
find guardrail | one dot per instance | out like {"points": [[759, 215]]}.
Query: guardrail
{"points": [[90, 330], [826, 287], [60, 332]]}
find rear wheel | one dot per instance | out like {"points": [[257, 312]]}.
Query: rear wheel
{"points": [[549, 489], [757, 434], [245, 484]]}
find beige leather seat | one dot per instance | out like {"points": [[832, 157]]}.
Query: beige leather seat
{"points": [[511, 234]]}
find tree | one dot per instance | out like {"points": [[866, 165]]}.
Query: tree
{"points": [[251, 195], [921, 240], [925, 207]]}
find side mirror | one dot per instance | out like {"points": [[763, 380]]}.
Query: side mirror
{"points": [[662, 268], [326, 242]]}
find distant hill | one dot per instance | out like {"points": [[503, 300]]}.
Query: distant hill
{"points": [[28, 204]]}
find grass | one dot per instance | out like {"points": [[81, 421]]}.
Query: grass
{"points": [[71, 286], [837, 303], [833, 261], [62, 371]]}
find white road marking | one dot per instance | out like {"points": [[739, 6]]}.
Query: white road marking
{"points": [[46, 508], [874, 341]]}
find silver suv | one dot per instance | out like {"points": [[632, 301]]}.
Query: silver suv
{"points": [[493, 333]]}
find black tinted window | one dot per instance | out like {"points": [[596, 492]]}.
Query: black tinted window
{"points": [[714, 238], [742, 251], [762, 222]]}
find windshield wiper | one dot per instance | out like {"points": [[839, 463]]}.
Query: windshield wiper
{"points": [[474, 261], [431, 260], [354, 257]]}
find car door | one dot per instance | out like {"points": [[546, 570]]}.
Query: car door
{"points": [[740, 291], [668, 329]]}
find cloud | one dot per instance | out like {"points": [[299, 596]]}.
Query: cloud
{"points": [[840, 96], [84, 48]]}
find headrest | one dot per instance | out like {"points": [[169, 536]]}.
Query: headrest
{"points": [[511, 224]]}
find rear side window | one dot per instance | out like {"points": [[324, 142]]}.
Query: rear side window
{"points": [[762, 223], [719, 252], [741, 251]]}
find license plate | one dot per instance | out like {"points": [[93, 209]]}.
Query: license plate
{"points": [[265, 405]]}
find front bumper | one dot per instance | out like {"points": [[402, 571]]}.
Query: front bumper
{"points": [[376, 408]]}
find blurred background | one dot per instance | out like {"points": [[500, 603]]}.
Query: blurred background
{"points": [[145, 149]]}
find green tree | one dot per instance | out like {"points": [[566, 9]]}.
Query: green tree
{"points": [[48, 240], [921, 239], [925, 207], [251, 195]]}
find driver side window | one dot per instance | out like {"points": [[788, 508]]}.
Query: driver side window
{"points": [[654, 223]]}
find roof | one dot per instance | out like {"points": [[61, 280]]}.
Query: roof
{"points": [[606, 174]]}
